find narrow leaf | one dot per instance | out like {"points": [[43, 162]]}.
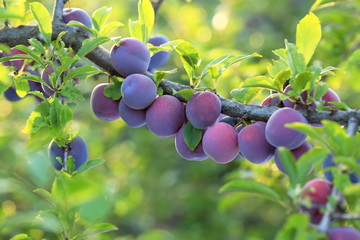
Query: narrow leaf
{"points": [[146, 19], [43, 18], [288, 161], [192, 136], [90, 164]]}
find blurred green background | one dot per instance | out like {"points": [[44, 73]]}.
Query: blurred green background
{"points": [[145, 188]]}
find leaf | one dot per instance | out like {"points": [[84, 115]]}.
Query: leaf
{"points": [[320, 90], [100, 16], [30, 55], [22, 86], [281, 77], [37, 45], [113, 90], [300, 81], [185, 93], [146, 19], [307, 161], [308, 35], [192, 136], [71, 92], [98, 229], [260, 82], [160, 75], [252, 187], [354, 59], [288, 161], [70, 165], [5, 79], [90, 44], [316, 71], [45, 194], [38, 118], [110, 28], [90, 164], [22, 236], [81, 25], [245, 95], [135, 29], [6, 13], [296, 59], [43, 18], [84, 71], [189, 57], [277, 67], [230, 61], [216, 61], [315, 133]]}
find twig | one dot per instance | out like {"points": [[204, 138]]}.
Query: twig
{"points": [[352, 126], [156, 5], [339, 216], [101, 57], [58, 10]]}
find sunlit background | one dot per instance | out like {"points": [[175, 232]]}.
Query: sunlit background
{"points": [[145, 188]]}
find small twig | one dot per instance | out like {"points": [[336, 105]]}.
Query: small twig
{"points": [[340, 216], [66, 156], [58, 10], [156, 5], [352, 127], [6, 20]]}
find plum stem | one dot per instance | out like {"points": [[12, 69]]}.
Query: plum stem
{"points": [[66, 156]]}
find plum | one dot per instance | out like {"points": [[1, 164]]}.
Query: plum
{"points": [[158, 59], [220, 142], [280, 136], [203, 109], [318, 190], [304, 96], [329, 162], [330, 96], [77, 14], [297, 153], [165, 116], [76, 148], [18, 64], [343, 233], [11, 95], [253, 144], [138, 91], [185, 152], [104, 108], [230, 120], [132, 117], [272, 100], [131, 56]]}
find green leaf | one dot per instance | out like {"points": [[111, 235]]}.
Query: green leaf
{"points": [[90, 164], [308, 35], [320, 90], [100, 16], [230, 61], [252, 187], [185, 93], [288, 161], [160, 75], [22, 236], [71, 92], [192, 136], [90, 44], [281, 77], [43, 18], [135, 29], [84, 71], [98, 229], [22, 86], [261, 82], [296, 59], [81, 25], [316, 71], [37, 45], [354, 59], [146, 19], [300, 81], [113, 90], [70, 164], [30, 55], [110, 28], [307, 161], [45, 194], [214, 62], [277, 67], [245, 95], [189, 57], [5, 79], [6, 13], [38, 118]]}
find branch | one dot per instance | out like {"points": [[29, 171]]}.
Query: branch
{"points": [[156, 5], [58, 10], [101, 57]]}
